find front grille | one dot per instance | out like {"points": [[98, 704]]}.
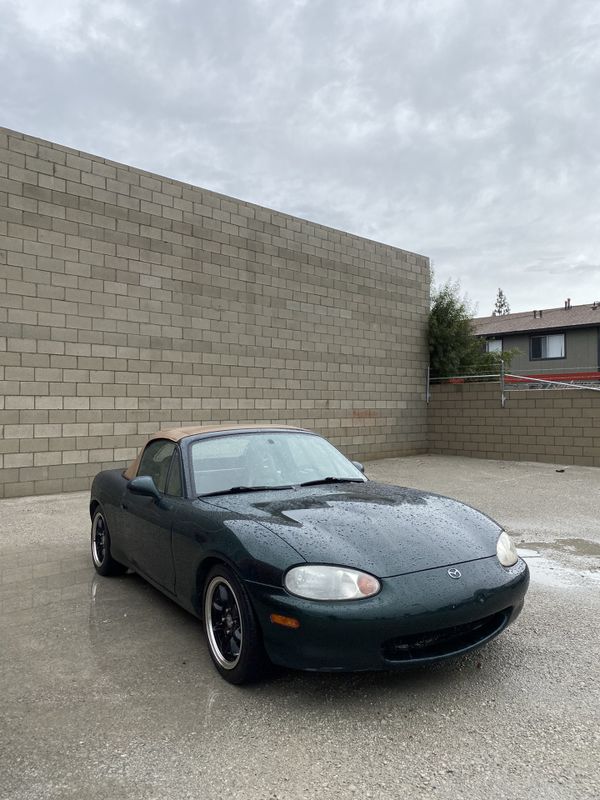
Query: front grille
{"points": [[445, 641]]}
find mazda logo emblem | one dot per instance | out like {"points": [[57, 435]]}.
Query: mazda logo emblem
{"points": [[454, 573]]}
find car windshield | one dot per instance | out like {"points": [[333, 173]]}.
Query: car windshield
{"points": [[245, 461]]}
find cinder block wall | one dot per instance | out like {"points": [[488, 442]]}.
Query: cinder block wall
{"points": [[132, 302], [561, 426]]}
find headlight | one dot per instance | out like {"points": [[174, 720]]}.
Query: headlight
{"points": [[506, 551], [320, 582]]}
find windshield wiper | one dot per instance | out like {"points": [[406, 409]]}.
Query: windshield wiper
{"points": [[331, 480], [242, 489]]}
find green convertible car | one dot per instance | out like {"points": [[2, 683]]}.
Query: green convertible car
{"points": [[289, 555]]}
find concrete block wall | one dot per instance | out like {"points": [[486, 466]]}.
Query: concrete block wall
{"points": [[561, 426], [132, 302]]}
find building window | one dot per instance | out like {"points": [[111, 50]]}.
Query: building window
{"points": [[549, 346], [493, 346]]}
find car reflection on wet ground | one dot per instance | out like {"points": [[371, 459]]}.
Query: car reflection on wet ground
{"points": [[108, 690]]}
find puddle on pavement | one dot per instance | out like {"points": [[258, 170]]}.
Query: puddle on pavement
{"points": [[554, 573], [576, 547]]}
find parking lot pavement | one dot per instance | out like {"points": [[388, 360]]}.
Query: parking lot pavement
{"points": [[107, 690]]}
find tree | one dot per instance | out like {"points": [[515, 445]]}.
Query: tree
{"points": [[502, 307], [453, 347]]}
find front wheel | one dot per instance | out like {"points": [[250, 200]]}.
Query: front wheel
{"points": [[104, 563], [234, 640]]}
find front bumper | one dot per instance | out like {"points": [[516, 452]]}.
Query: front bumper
{"points": [[417, 618]]}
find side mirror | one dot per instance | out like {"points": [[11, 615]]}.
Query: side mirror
{"points": [[144, 485], [359, 466]]}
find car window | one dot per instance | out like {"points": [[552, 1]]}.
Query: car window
{"points": [[156, 460], [175, 483], [222, 447], [274, 458]]}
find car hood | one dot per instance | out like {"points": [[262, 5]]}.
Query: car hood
{"points": [[385, 530]]}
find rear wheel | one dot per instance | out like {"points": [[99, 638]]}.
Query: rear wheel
{"points": [[233, 636], [104, 563]]}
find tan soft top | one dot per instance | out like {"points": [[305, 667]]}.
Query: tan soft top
{"points": [[177, 434]]}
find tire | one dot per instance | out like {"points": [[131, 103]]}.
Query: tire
{"points": [[232, 633], [103, 562]]}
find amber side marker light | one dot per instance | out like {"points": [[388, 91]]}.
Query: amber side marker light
{"points": [[287, 622]]}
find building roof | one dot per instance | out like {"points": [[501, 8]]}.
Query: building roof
{"points": [[177, 434], [539, 320]]}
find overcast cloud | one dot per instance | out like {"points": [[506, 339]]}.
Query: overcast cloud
{"points": [[467, 131]]}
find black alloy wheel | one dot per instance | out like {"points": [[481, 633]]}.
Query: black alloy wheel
{"points": [[234, 640], [225, 627], [104, 563]]}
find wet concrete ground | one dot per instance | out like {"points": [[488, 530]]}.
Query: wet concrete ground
{"points": [[107, 691]]}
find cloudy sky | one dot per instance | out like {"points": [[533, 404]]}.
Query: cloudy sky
{"points": [[467, 130]]}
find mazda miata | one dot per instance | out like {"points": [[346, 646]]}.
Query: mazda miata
{"points": [[289, 555]]}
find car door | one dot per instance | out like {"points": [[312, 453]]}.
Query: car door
{"points": [[148, 521]]}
